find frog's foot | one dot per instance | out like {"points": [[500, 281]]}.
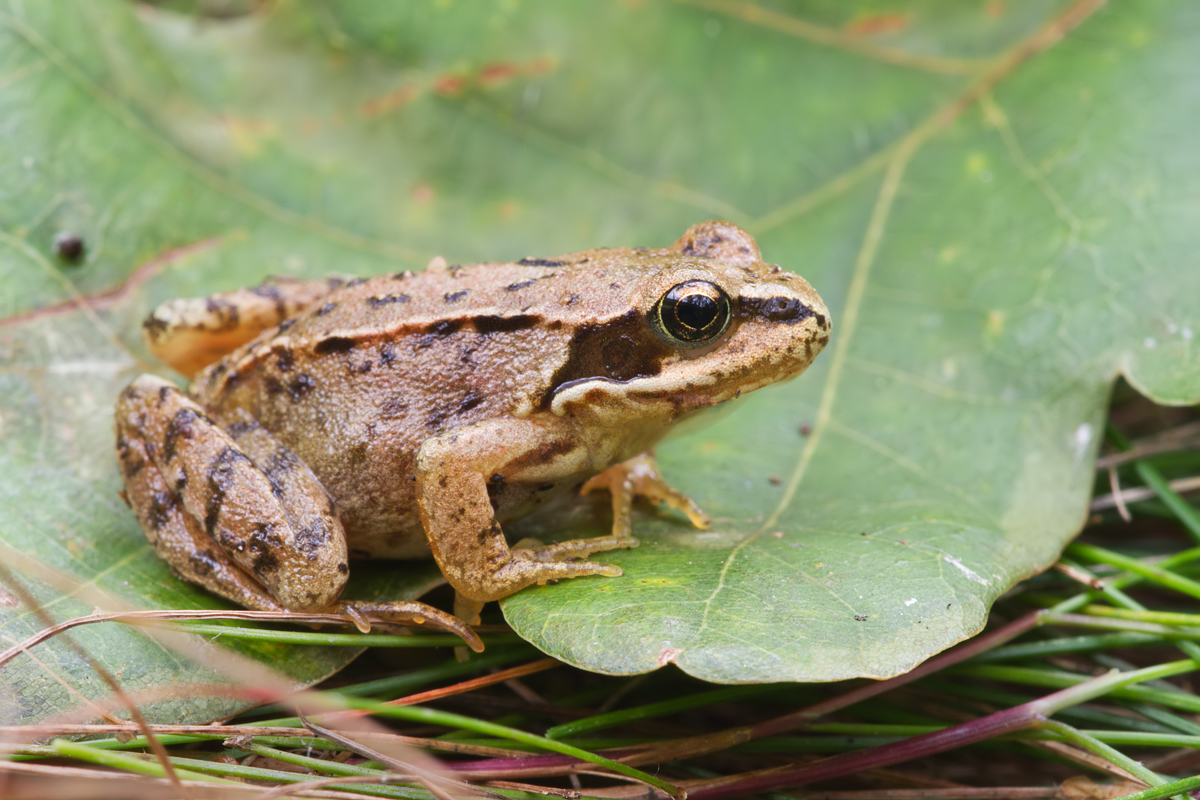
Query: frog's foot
{"points": [[191, 333], [640, 477], [533, 550], [363, 613], [530, 552]]}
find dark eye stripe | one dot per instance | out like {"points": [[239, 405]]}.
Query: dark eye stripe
{"points": [[780, 308]]}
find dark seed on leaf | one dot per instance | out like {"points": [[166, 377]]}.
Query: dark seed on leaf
{"points": [[68, 246]]}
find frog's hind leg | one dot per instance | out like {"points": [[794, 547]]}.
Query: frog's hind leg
{"points": [[238, 513], [177, 536], [191, 333]]}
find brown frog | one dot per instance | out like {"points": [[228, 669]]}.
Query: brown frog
{"points": [[413, 414]]}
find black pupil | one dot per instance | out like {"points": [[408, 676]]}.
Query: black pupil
{"points": [[696, 310]]}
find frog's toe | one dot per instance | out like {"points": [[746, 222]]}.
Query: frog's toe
{"points": [[362, 613], [576, 548], [641, 477]]}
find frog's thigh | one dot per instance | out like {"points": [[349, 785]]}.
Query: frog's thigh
{"points": [[177, 537], [452, 473], [192, 332], [257, 508]]}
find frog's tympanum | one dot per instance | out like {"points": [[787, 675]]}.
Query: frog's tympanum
{"points": [[414, 414]]}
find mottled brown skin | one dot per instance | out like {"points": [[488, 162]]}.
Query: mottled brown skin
{"points": [[411, 414]]}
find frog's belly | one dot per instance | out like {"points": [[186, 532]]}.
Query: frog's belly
{"points": [[377, 531]]}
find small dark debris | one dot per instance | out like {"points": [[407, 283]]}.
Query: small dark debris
{"points": [[860, 617], [68, 246], [775, 480]]}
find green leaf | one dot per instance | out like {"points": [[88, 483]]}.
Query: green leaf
{"points": [[998, 202]]}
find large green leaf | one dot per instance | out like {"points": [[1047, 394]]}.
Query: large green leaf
{"points": [[1001, 222]]}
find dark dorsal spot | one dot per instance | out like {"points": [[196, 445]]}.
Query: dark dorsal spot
{"points": [[301, 385], [225, 312], [205, 562], [220, 475], [394, 407], [284, 358], [497, 324], [454, 297], [436, 419], [701, 246], [181, 426], [540, 262], [310, 539], [621, 349], [469, 401], [269, 291], [787, 310], [154, 325], [387, 353], [264, 543], [386, 299], [437, 330], [325, 309], [446, 327], [240, 428], [162, 508], [333, 344], [513, 287]]}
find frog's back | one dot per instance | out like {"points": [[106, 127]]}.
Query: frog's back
{"points": [[358, 381]]}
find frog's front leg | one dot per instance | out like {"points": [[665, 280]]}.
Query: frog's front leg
{"points": [[453, 472], [233, 510]]}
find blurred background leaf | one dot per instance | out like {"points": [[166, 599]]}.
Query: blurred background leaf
{"points": [[997, 199]]}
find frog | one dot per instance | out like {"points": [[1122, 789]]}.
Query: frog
{"points": [[416, 414]]}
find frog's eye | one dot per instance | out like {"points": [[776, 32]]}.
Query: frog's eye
{"points": [[694, 312]]}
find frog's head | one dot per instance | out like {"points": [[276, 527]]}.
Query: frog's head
{"points": [[708, 322]]}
